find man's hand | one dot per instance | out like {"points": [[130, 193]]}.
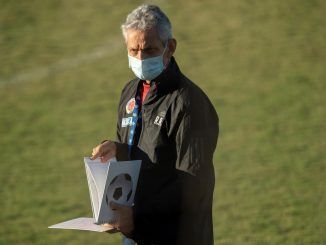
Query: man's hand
{"points": [[105, 151], [125, 222]]}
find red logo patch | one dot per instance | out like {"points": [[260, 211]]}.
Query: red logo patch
{"points": [[130, 105]]}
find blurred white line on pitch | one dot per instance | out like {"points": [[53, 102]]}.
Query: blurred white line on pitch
{"points": [[65, 64]]}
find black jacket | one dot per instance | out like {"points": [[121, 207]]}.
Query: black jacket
{"points": [[173, 201]]}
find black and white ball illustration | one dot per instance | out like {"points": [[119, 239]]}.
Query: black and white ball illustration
{"points": [[119, 189]]}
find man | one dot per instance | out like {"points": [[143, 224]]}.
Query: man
{"points": [[168, 122]]}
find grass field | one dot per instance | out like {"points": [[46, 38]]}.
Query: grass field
{"points": [[262, 63]]}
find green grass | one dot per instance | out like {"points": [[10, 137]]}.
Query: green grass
{"points": [[262, 63]]}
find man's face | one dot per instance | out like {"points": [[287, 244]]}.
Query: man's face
{"points": [[146, 44]]}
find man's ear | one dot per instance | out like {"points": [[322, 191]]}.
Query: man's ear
{"points": [[172, 45]]}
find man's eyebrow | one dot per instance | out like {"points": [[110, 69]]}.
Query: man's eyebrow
{"points": [[145, 48]]}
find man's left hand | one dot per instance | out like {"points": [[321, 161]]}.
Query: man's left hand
{"points": [[125, 222]]}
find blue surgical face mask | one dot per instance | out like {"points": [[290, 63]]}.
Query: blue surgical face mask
{"points": [[147, 69]]}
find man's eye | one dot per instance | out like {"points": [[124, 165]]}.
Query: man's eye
{"points": [[133, 51], [149, 50]]}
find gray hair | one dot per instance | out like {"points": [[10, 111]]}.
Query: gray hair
{"points": [[146, 17]]}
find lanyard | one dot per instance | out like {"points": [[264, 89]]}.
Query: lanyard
{"points": [[136, 122], [136, 115]]}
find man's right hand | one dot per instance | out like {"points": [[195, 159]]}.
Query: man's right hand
{"points": [[105, 151]]}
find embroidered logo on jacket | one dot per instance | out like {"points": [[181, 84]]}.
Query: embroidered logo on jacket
{"points": [[159, 119], [126, 121], [130, 105]]}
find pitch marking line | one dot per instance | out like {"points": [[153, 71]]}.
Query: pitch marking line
{"points": [[65, 64]]}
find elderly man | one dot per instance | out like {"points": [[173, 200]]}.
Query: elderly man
{"points": [[168, 122]]}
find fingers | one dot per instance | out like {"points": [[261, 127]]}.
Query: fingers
{"points": [[117, 222], [96, 153], [107, 156], [124, 220], [107, 225], [113, 228], [116, 206], [105, 151]]}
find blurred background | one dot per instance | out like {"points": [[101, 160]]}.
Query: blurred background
{"points": [[262, 63]]}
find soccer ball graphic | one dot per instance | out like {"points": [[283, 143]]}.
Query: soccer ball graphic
{"points": [[119, 189]]}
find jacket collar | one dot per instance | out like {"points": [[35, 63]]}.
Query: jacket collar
{"points": [[167, 80]]}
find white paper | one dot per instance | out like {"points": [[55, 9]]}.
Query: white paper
{"points": [[86, 224], [103, 178], [111, 181]]}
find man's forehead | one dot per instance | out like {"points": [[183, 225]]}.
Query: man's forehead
{"points": [[144, 38]]}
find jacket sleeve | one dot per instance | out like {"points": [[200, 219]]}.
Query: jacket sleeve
{"points": [[196, 141], [181, 211], [196, 137]]}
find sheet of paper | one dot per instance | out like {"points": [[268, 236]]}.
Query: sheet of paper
{"points": [[110, 181], [96, 172], [93, 193], [86, 224], [120, 187]]}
